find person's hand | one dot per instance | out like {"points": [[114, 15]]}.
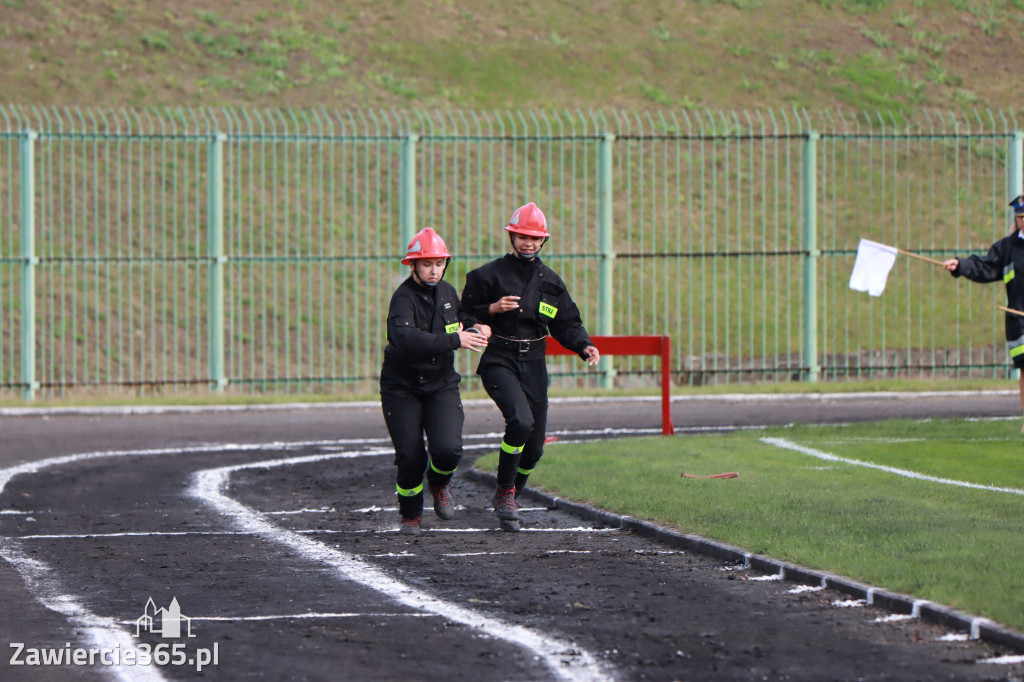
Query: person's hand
{"points": [[592, 354], [485, 330], [952, 264], [503, 305], [473, 340]]}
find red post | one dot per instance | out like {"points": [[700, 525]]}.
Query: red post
{"points": [[635, 345]]}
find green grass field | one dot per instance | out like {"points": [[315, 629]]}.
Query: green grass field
{"points": [[886, 503], [889, 55]]}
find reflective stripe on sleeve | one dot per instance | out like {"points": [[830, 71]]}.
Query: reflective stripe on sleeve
{"points": [[1007, 273]]}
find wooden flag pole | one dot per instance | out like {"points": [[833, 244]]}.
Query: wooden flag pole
{"points": [[919, 257], [1010, 310]]}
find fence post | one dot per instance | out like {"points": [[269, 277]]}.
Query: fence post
{"points": [[215, 251], [28, 265], [407, 210], [607, 249], [811, 255], [1015, 172]]}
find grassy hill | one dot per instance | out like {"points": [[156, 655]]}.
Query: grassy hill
{"points": [[537, 54]]}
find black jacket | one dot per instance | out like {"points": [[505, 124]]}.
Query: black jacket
{"points": [[422, 333], [545, 305], [1002, 262]]}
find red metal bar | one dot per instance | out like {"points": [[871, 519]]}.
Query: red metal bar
{"points": [[635, 345]]}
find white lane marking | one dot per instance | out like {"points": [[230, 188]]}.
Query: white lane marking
{"points": [[301, 616], [126, 534], [799, 589], [99, 632], [487, 403], [321, 510], [894, 618], [1002, 660], [13, 512], [578, 529], [34, 467], [954, 637], [318, 531], [565, 660], [467, 554], [102, 632], [790, 445], [458, 554], [763, 578], [849, 603]]}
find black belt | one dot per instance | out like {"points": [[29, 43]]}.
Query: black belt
{"points": [[518, 346]]}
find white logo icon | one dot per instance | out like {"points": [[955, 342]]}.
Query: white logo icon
{"points": [[164, 622]]}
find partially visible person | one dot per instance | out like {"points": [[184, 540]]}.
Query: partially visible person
{"points": [[1003, 260], [522, 299], [419, 387]]}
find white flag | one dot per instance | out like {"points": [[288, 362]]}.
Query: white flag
{"points": [[870, 270]]}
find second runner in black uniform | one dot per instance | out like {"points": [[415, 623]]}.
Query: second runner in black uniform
{"points": [[522, 300]]}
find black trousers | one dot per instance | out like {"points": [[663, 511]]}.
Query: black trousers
{"points": [[520, 390], [410, 414]]}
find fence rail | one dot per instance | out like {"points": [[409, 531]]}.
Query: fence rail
{"points": [[244, 250]]}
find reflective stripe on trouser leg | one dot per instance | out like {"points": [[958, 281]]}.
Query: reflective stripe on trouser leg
{"points": [[515, 386], [521, 476], [410, 501], [438, 477], [508, 461], [533, 449], [409, 492], [443, 418], [439, 471], [1016, 346]]}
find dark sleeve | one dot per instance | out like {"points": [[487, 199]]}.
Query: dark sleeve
{"points": [[476, 297], [567, 327], [466, 319], [405, 335], [988, 268]]}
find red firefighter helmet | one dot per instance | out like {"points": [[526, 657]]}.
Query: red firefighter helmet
{"points": [[426, 244], [529, 220]]}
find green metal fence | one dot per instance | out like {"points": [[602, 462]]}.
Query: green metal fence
{"points": [[256, 251]]}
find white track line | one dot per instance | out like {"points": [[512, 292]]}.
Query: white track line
{"points": [[317, 531], [1003, 660], [99, 632], [565, 660], [298, 616], [790, 445], [487, 403]]}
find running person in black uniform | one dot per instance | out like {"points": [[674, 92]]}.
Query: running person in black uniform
{"points": [[1003, 260], [522, 300], [419, 387]]}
